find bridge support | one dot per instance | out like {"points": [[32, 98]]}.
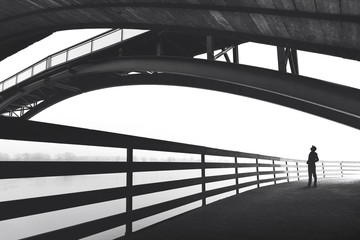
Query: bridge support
{"points": [[210, 47], [236, 54], [285, 56]]}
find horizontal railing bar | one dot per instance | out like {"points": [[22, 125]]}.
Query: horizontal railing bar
{"points": [[341, 162], [269, 165], [165, 206], [272, 179], [25, 207], [331, 170], [164, 166], [270, 172], [305, 176], [161, 166], [82, 230], [25, 169], [31, 206], [85, 229], [294, 171], [151, 210], [15, 128], [350, 173], [169, 185], [346, 166]]}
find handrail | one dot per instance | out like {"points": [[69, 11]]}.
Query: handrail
{"points": [[259, 171], [81, 49]]}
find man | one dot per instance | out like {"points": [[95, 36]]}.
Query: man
{"points": [[312, 159]]}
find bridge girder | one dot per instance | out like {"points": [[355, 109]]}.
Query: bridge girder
{"points": [[335, 102]]}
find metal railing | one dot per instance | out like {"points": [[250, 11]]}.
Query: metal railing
{"points": [[84, 48], [241, 172]]}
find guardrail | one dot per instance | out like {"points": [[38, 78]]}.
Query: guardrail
{"points": [[207, 172], [86, 47]]}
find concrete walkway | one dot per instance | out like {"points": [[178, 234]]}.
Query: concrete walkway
{"points": [[284, 211]]}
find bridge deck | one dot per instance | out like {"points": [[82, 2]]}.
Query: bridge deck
{"points": [[285, 211]]}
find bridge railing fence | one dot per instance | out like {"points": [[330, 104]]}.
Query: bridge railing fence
{"points": [[84, 48], [151, 189]]}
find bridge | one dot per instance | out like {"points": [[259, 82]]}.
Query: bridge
{"points": [[165, 53]]}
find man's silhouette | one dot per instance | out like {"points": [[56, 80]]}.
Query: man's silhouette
{"points": [[312, 159]]}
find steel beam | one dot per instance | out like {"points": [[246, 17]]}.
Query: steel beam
{"points": [[282, 59], [331, 101], [210, 48], [285, 56], [236, 54], [341, 103]]}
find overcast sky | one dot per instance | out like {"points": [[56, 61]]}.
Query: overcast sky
{"points": [[197, 116]]}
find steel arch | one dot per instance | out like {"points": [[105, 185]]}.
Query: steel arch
{"points": [[334, 102]]}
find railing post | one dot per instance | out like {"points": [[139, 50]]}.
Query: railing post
{"points": [[297, 171], [203, 177], [91, 45], [273, 162], [48, 62], [323, 168], [129, 184], [32, 70], [287, 171], [236, 178], [341, 169], [257, 172]]}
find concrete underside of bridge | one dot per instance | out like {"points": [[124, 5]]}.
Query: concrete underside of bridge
{"points": [[329, 27], [285, 211]]}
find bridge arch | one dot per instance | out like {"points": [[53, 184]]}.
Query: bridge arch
{"points": [[320, 98]]}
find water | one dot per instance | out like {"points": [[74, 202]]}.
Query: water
{"points": [[12, 189]]}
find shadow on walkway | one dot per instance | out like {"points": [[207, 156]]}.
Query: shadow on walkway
{"points": [[284, 211]]}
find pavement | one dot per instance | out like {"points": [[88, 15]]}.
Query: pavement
{"points": [[283, 211]]}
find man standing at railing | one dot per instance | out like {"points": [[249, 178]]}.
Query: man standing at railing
{"points": [[312, 159]]}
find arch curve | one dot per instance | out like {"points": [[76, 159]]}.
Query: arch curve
{"points": [[320, 98]]}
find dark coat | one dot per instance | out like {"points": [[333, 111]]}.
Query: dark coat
{"points": [[313, 158]]}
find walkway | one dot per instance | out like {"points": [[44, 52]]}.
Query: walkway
{"points": [[285, 211]]}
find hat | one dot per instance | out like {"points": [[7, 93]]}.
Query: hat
{"points": [[313, 148]]}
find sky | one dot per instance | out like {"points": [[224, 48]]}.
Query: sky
{"points": [[196, 116]]}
